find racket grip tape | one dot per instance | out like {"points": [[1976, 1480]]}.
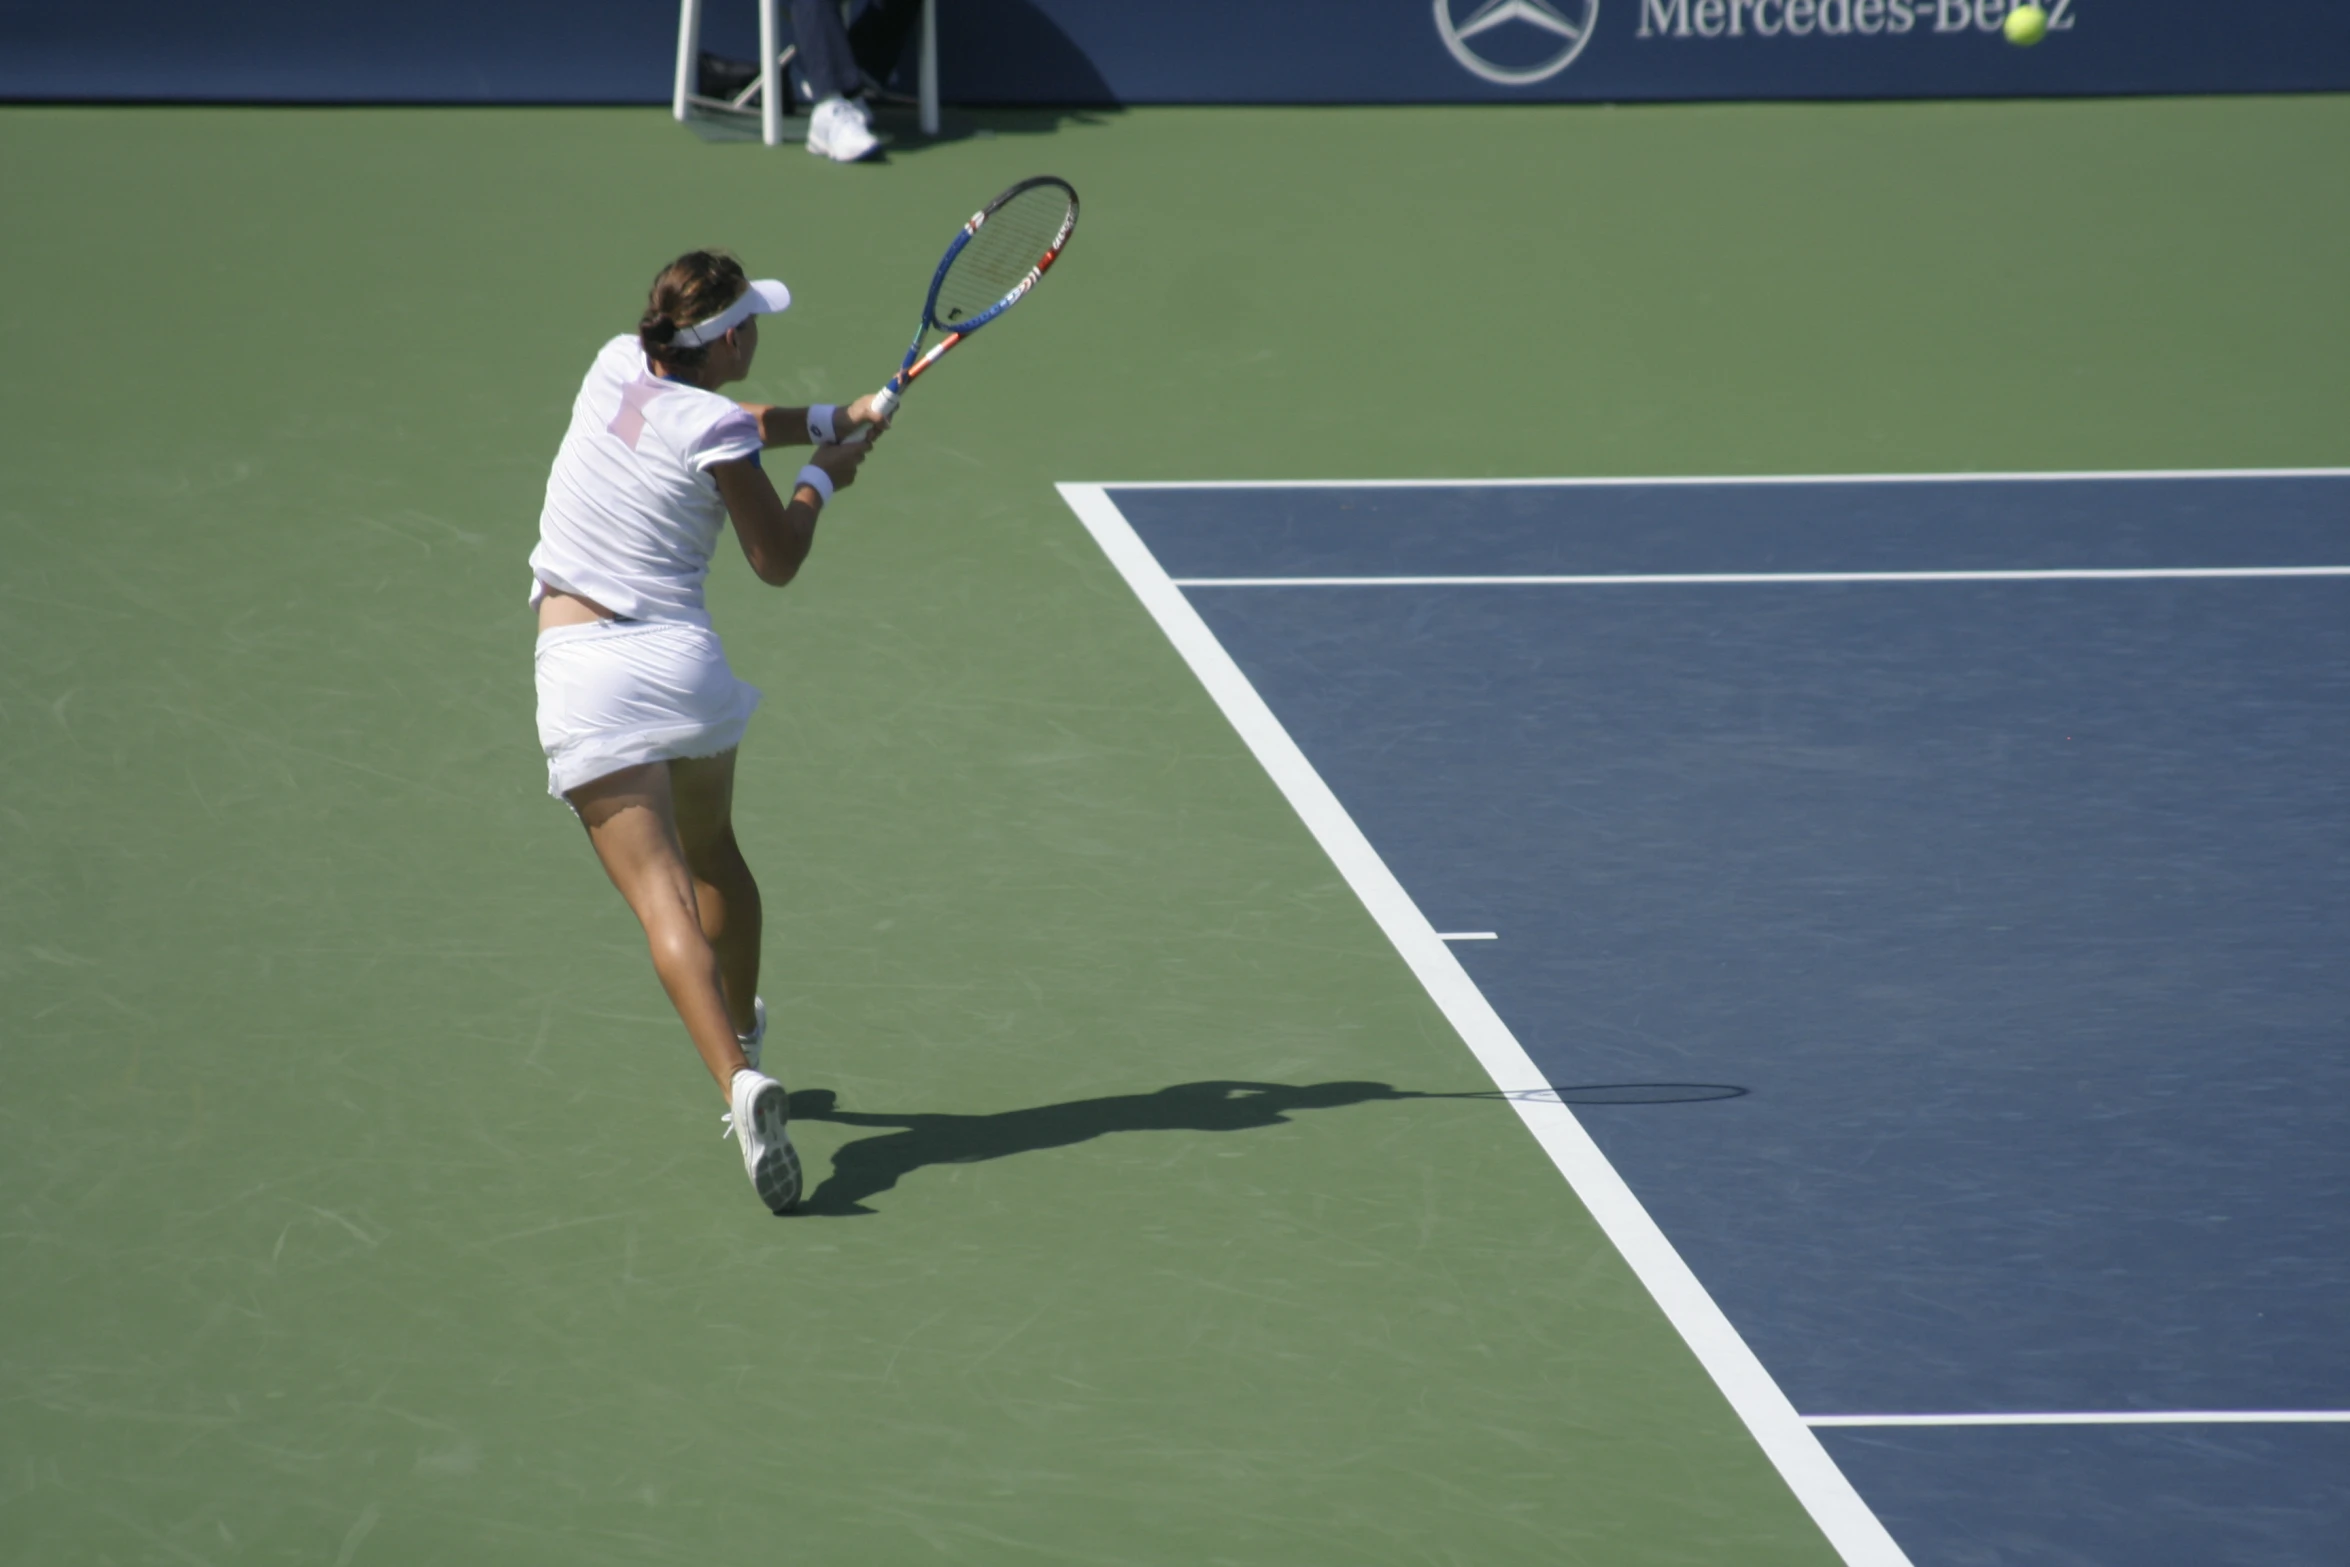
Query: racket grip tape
{"points": [[885, 403]]}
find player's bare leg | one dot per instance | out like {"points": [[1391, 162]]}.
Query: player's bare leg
{"points": [[725, 893], [631, 819]]}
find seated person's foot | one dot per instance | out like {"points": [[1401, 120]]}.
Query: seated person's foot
{"points": [[837, 130]]}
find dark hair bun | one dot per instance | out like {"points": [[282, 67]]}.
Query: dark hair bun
{"points": [[694, 287]]}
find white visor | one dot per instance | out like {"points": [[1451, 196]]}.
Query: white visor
{"points": [[762, 298]]}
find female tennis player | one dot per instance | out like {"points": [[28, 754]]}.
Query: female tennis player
{"points": [[638, 711]]}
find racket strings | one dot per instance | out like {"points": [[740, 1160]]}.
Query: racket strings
{"points": [[1014, 239]]}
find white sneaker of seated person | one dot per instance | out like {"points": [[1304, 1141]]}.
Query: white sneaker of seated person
{"points": [[837, 129]]}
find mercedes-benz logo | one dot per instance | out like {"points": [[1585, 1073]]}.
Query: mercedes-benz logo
{"points": [[1549, 36]]}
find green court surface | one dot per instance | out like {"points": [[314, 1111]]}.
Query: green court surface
{"points": [[362, 1200]]}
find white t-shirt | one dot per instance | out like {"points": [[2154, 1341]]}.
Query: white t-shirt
{"points": [[632, 513]]}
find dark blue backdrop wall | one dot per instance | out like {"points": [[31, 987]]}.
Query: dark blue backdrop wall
{"points": [[1189, 51]]}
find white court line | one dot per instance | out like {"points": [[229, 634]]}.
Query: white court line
{"points": [[1851, 1528], [1752, 478], [1704, 578], [1468, 935], [2126, 1417]]}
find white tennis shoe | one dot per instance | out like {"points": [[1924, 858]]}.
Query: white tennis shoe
{"points": [[761, 1108], [837, 129], [758, 1034]]}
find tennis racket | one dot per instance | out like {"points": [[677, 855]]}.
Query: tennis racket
{"points": [[993, 262]]}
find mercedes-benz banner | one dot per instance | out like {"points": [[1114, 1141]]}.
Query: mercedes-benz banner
{"points": [[1439, 51], [1192, 51]]}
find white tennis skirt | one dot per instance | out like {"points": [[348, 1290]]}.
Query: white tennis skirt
{"points": [[617, 693]]}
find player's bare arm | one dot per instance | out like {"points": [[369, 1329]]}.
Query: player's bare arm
{"points": [[777, 534], [784, 425]]}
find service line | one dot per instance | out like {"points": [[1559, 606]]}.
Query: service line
{"points": [[2114, 1417], [1768, 578]]}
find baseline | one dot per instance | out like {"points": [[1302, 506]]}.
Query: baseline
{"points": [[1720, 479]]}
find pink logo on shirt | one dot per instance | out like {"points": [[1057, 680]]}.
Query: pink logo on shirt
{"points": [[629, 423]]}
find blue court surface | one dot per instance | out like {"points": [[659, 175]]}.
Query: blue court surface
{"points": [[1933, 895]]}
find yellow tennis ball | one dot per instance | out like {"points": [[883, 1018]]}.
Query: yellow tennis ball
{"points": [[2026, 25]]}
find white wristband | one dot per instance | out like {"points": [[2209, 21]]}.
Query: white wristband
{"points": [[815, 479], [820, 423]]}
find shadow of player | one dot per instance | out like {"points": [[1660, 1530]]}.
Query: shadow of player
{"points": [[873, 1165]]}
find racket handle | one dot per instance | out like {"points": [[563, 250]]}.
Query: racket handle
{"points": [[885, 403]]}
